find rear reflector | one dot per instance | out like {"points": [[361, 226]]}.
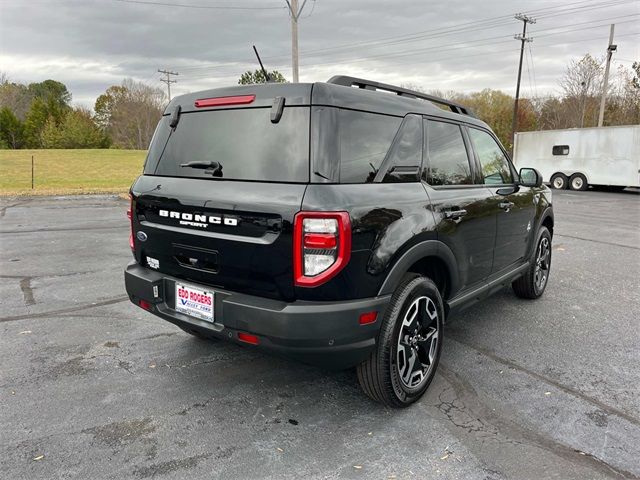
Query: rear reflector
{"points": [[144, 305], [367, 318], [132, 244], [247, 338], [219, 101]]}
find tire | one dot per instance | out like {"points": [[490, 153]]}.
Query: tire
{"points": [[578, 182], [559, 181], [533, 283], [412, 328]]}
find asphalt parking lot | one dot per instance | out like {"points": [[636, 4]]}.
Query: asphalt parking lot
{"points": [[93, 387]]}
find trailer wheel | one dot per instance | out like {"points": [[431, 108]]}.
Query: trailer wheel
{"points": [[559, 181], [578, 182]]}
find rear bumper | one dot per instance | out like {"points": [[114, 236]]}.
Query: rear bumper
{"points": [[326, 334]]}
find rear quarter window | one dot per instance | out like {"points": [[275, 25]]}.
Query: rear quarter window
{"points": [[365, 139]]}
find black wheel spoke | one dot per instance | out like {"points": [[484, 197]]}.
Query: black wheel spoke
{"points": [[543, 256], [417, 342]]}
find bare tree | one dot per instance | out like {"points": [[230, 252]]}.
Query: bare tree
{"points": [[15, 96], [581, 88], [623, 104], [129, 113]]}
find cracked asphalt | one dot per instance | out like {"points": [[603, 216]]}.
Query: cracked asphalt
{"points": [[94, 387]]}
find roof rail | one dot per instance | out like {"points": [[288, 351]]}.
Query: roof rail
{"points": [[403, 92]]}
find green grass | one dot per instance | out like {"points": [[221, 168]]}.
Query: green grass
{"points": [[64, 172]]}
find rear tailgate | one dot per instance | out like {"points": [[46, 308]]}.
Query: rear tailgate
{"points": [[230, 234], [226, 172]]}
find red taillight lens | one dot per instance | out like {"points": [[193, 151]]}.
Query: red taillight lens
{"points": [[320, 240], [132, 244], [144, 305], [368, 318], [247, 338], [220, 101], [322, 246]]}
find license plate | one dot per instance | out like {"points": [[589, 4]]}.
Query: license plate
{"points": [[194, 301]]}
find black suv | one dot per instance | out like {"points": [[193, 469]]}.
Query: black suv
{"points": [[336, 223]]}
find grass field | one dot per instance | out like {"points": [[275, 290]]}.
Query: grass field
{"points": [[64, 172]]}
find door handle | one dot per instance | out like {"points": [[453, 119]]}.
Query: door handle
{"points": [[455, 214], [506, 206]]}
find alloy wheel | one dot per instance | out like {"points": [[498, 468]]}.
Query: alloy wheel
{"points": [[543, 260], [417, 345]]}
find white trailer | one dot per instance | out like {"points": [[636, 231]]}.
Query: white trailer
{"points": [[579, 157]]}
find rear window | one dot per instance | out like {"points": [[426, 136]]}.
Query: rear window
{"points": [[243, 141]]}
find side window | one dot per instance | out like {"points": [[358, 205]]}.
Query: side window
{"points": [[448, 162], [365, 139], [494, 163], [404, 159], [560, 150]]}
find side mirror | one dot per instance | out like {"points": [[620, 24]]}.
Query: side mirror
{"points": [[530, 177]]}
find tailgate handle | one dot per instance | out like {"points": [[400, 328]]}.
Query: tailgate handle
{"points": [[196, 258]]}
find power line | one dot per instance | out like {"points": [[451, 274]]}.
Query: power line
{"points": [[309, 53], [533, 69], [398, 60], [459, 28], [526, 57], [471, 43], [208, 7], [502, 52]]}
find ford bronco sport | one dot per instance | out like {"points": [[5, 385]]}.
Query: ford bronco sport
{"points": [[336, 223]]}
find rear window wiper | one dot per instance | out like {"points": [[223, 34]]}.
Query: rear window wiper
{"points": [[201, 164], [214, 167]]}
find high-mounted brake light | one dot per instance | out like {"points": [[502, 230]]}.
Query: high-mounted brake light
{"points": [[321, 246], [220, 101], [132, 245]]}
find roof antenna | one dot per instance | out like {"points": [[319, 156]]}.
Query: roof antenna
{"points": [[266, 75]]}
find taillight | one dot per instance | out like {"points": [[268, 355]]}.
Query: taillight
{"points": [[130, 215], [321, 246]]}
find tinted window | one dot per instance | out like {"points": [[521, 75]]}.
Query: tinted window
{"points": [[405, 157], [560, 150], [243, 141], [365, 139], [494, 163], [448, 160]]}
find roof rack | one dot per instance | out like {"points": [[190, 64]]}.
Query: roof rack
{"points": [[403, 92]]}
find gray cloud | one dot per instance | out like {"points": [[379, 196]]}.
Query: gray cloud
{"points": [[92, 44]]}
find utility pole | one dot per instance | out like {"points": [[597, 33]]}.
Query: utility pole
{"points": [[168, 80], [295, 16], [523, 39], [610, 49]]}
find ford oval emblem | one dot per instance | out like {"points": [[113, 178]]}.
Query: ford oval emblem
{"points": [[141, 236]]}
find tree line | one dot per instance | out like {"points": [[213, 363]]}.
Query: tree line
{"points": [[576, 105], [40, 115]]}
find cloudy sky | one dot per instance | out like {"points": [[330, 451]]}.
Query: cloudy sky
{"points": [[462, 45]]}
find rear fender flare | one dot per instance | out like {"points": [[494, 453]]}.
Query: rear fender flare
{"points": [[428, 248]]}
